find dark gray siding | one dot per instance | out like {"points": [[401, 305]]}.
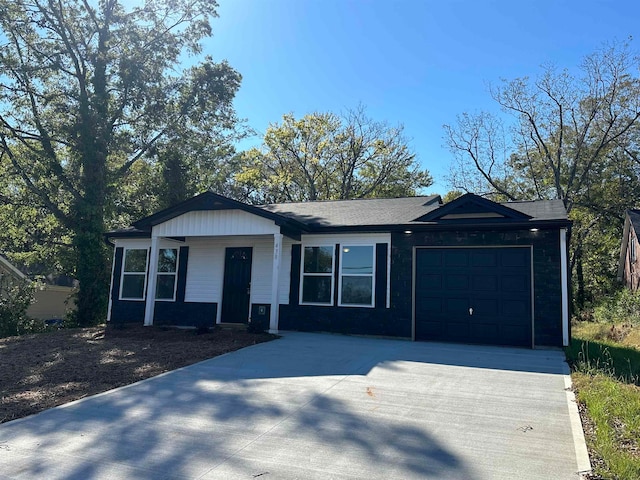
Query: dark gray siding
{"points": [[354, 320], [178, 313], [546, 271]]}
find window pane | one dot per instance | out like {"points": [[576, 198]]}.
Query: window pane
{"points": [[167, 259], [164, 287], [357, 260], [356, 290], [135, 260], [316, 289], [318, 259], [133, 286]]}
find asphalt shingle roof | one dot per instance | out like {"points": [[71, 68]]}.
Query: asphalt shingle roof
{"points": [[375, 211], [371, 213], [393, 211], [540, 209]]}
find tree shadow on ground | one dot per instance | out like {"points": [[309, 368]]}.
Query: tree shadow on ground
{"points": [[271, 408]]}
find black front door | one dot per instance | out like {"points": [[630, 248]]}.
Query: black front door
{"points": [[237, 284]]}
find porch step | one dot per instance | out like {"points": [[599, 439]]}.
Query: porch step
{"points": [[232, 326]]}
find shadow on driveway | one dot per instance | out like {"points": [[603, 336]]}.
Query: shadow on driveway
{"points": [[304, 406]]}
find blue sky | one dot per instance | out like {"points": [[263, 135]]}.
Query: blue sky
{"points": [[419, 63]]}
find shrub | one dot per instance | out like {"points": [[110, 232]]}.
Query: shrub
{"points": [[622, 308], [15, 298]]}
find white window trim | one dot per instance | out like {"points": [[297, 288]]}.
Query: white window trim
{"points": [[123, 273], [175, 274], [372, 275], [330, 275]]}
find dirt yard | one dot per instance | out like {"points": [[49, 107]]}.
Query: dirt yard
{"points": [[41, 371]]}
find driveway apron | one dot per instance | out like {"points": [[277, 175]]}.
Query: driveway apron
{"points": [[318, 406]]}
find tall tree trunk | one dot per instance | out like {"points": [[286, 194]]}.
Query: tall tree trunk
{"points": [[92, 269], [175, 188], [89, 246]]}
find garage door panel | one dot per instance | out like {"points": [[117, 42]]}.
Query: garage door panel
{"points": [[515, 257], [431, 281], [433, 330], [488, 283], [456, 282], [457, 330], [484, 258], [432, 258], [429, 304], [515, 308], [458, 258], [515, 283], [484, 333], [456, 307], [485, 307], [495, 282]]}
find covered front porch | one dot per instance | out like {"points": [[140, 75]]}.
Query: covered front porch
{"points": [[202, 268]]}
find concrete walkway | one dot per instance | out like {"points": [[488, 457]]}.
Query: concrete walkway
{"points": [[319, 406]]}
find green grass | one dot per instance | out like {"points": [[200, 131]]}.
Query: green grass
{"points": [[614, 409], [605, 357], [606, 364]]}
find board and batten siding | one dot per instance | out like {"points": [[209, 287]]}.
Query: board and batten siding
{"points": [[206, 268], [216, 222]]}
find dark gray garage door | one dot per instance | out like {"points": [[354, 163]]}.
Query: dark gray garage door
{"points": [[474, 295]]}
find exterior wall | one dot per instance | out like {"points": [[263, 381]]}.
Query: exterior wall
{"points": [[51, 302], [206, 268], [631, 277], [201, 269], [547, 301], [378, 320], [200, 279]]}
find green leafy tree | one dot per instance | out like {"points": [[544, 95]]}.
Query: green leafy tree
{"points": [[566, 137], [89, 90], [327, 156], [16, 295]]}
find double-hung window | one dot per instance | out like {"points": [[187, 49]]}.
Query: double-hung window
{"points": [[133, 281], [357, 265], [317, 275], [167, 274]]}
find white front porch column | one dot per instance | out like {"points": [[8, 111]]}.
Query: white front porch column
{"points": [[150, 305], [275, 282], [564, 278]]}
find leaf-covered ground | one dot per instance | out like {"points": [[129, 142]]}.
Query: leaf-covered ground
{"points": [[44, 370]]}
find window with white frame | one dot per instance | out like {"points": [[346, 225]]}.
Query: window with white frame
{"points": [[357, 270], [317, 275], [167, 274], [133, 280]]}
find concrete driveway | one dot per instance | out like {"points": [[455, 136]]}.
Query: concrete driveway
{"points": [[318, 406]]}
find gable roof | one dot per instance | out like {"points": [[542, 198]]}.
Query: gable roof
{"points": [[10, 268], [379, 214], [210, 201], [472, 207]]}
